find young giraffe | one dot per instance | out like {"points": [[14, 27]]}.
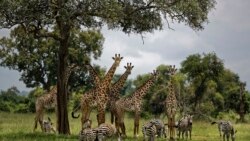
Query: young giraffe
{"points": [[132, 103], [114, 91], [48, 101], [171, 103], [98, 96]]}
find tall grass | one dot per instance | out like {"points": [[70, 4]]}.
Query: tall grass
{"points": [[19, 127]]}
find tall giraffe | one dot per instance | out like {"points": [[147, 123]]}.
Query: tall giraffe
{"points": [[114, 91], [98, 96], [48, 101], [171, 103], [132, 103]]}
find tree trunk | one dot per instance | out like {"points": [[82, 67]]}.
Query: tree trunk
{"points": [[242, 106], [62, 114]]}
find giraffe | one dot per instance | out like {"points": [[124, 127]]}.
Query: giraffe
{"points": [[48, 101], [98, 97], [94, 75], [132, 103], [114, 91], [171, 103]]}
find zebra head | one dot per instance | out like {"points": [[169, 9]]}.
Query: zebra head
{"points": [[190, 119]]}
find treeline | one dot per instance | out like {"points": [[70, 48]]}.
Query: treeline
{"points": [[203, 87]]}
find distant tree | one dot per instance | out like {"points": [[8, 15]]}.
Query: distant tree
{"points": [[12, 101], [57, 19], [200, 69]]}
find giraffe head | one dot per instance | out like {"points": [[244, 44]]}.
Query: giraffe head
{"points": [[117, 59], [155, 74], [172, 70], [128, 68]]}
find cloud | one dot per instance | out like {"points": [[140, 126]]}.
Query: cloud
{"points": [[227, 34]]}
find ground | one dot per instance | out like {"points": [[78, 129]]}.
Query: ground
{"points": [[19, 127]]}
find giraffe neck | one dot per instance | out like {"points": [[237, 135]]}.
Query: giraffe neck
{"points": [[108, 77], [141, 91], [116, 87], [171, 90], [68, 73], [94, 75]]}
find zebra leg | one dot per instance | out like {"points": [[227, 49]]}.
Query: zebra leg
{"points": [[227, 137], [186, 133], [190, 134], [152, 138]]}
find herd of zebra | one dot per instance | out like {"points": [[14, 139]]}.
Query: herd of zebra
{"points": [[151, 129]]}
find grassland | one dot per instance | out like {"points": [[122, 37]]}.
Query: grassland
{"points": [[19, 127]]}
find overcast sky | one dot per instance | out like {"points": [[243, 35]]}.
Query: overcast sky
{"points": [[227, 34]]}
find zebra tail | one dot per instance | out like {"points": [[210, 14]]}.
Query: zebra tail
{"points": [[75, 110]]}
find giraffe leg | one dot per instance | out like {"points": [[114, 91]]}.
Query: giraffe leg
{"points": [[85, 113], [173, 124], [41, 123], [136, 124], [121, 123], [112, 115], [101, 115], [39, 114]]}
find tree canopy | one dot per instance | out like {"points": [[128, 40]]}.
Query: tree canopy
{"points": [[58, 19]]}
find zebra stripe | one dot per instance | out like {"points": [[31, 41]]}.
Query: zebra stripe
{"points": [[184, 125], [47, 126], [105, 130], [226, 128], [161, 128], [87, 134], [149, 130]]}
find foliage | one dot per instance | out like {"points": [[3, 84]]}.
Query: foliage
{"points": [[37, 59], [200, 70], [58, 19], [11, 101]]}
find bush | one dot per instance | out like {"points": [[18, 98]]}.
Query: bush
{"points": [[231, 115]]}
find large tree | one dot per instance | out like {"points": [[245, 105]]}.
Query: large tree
{"points": [[200, 69], [36, 59], [56, 20]]}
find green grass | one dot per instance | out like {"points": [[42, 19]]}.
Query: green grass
{"points": [[20, 127]]}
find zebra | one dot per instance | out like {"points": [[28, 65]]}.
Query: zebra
{"points": [[106, 130], [226, 128], [184, 125], [161, 128], [87, 133], [47, 126], [149, 130]]}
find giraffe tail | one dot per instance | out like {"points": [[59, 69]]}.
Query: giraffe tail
{"points": [[75, 110]]}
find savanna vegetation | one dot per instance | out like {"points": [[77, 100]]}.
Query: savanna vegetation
{"points": [[219, 98], [47, 36], [18, 127]]}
